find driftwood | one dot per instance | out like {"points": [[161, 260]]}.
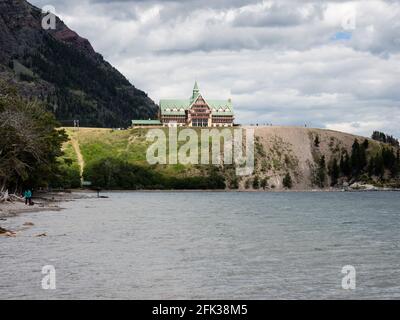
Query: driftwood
{"points": [[5, 196]]}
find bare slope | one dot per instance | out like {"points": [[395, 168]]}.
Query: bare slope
{"points": [[292, 150]]}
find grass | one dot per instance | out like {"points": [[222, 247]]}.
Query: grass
{"points": [[128, 145]]}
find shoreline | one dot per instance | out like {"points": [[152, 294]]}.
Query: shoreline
{"points": [[43, 201], [237, 190], [50, 201]]}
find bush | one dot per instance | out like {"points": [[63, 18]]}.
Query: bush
{"points": [[256, 183], [264, 183], [111, 173], [67, 177]]}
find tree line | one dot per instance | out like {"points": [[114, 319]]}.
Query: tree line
{"points": [[382, 137], [362, 164]]}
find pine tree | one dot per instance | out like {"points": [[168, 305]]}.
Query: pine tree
{"points": [[398, 161], [321, 172], [363, 158], [379, 165], [264, 183], [345, 164], [366, 144], [316, 141], [334, 172], [358, 158], [371, 166], [287, 181], [256, 183], [355, 158]]}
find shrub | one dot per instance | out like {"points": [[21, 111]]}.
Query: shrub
{"points": [[111, 173], [256, 183]]}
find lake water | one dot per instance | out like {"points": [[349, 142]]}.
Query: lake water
{"points": [[208, 245]]}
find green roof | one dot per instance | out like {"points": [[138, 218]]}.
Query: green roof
{"points": [[174, 107], [146, 122], [179, 106]]}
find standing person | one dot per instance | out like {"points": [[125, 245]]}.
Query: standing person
{"points": [[28, 197]]}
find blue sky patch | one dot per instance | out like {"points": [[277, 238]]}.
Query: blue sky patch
{"points": [[342, 35]]}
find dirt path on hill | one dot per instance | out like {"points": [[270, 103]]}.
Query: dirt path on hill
{"points": [[81, 162]]}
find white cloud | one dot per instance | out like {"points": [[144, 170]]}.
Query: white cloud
{"points": [[277, 60]]}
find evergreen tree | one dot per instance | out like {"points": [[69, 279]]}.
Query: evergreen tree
{"points": [[389, 159], [321, 172], [371, 166], [334, 172], [264, 183], [30, 144], [256, 183], [382, 137], [287, 181], [355, 158], [358, 158], [398, 161], [345, 168], [379, 165], [316, 141], [363, 158], [366, 144]]}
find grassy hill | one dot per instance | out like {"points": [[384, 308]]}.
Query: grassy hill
{"points": [[116, 159]]}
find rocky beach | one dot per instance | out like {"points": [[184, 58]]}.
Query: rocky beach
{"points": [[43, 201]]}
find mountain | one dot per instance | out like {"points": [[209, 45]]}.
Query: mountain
{"points": [[62, 69]]}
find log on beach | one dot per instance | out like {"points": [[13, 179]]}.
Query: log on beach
{"points": [[5, 196], [7, 233]]}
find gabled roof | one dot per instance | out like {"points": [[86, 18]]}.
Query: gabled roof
{"points": [[179, 106], [174, 106], [222, 107]]}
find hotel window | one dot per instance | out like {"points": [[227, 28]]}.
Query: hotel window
{"points": [[200, 122]]}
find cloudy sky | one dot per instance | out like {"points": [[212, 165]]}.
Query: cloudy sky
{"points": [[329, 64]]}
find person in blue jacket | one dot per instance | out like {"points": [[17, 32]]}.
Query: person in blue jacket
{"points": [[28, 197]]}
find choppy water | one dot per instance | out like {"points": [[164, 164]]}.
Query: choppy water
{"points": [[210, 245]]}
